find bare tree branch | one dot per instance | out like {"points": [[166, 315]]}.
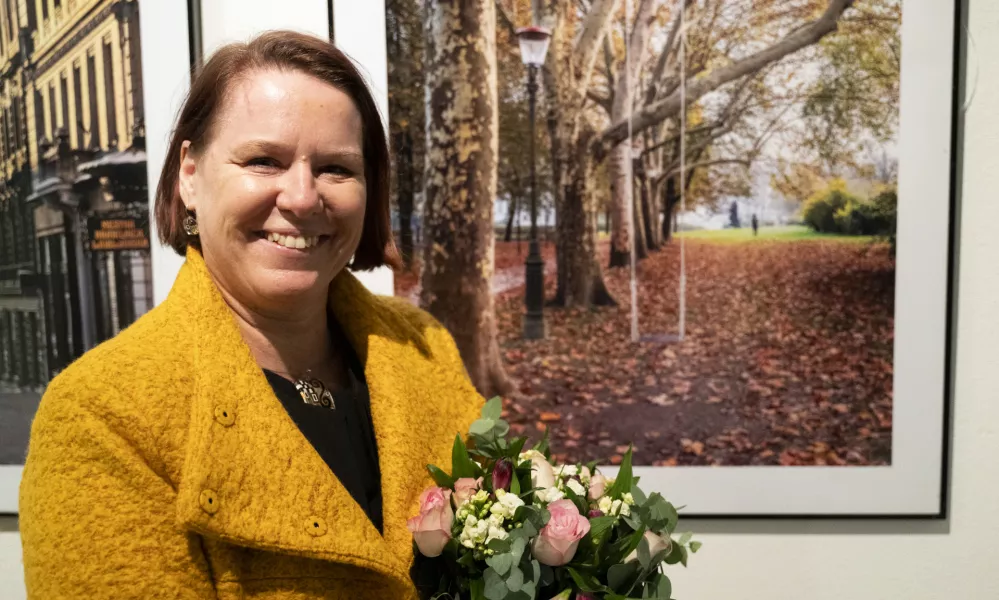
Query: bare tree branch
{"points": [[674, 32], [594, 29], [709, 163], [802, 37]]}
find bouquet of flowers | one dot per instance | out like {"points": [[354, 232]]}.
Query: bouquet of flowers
{"points": [[508, 524]]}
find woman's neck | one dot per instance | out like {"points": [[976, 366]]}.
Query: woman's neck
{"points": [[286, 342]]}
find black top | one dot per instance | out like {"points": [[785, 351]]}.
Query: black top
{"points": [[343, 437]]}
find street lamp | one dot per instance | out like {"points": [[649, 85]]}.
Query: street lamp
{"points": [[533, 48]]}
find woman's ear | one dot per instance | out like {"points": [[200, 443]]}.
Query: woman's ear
{"points": [[185, 180]]}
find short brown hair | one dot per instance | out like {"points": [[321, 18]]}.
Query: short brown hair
{"points": [[281, 50]]}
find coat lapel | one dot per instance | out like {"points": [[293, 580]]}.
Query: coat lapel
{"points": [[251, 477]]}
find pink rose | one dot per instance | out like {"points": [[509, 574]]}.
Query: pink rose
{"points": [[598, 484], [432, 527], [557, 542], [464, 489]]}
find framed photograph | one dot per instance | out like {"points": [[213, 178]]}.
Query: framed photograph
{"points": [[75, 264], [782, 173]]}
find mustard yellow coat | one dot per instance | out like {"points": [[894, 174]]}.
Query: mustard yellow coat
{"points": [[161, 465]]}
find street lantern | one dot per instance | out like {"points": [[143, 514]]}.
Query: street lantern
{"points": [[533, 48]]}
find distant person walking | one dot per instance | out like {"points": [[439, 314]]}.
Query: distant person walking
{"points": [[756, 225]]}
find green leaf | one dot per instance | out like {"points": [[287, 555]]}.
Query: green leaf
{"points": [[440, 477], [585, 581], [495, 588], [501, 563], [677, 554], [638, 495], [516, 446], [467, 560], [659, 588], [499, 546], [482, 427], [686, 537], [515, 485], [517, 548], [461, 464], [624, 479], [661, 514], [576, 499], [493, 408], [644, 553], [695, 546], [477, 589], [601, 528], [620, 577], [515, 580], [547, 576], [542, 446], [683, 556]]}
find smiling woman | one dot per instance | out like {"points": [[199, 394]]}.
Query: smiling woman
{"points": [[271, 411]]}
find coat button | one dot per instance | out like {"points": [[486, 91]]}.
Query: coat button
{"points": [[209, 501], [316, 526], [225, 416]]}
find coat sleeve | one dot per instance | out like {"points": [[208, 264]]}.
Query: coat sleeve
{"points": [[96, 520]]}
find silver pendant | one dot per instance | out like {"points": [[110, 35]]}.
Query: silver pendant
{"points": [[315, 392]]}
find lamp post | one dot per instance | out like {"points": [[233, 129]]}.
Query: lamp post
{"points": [[533, 48]]}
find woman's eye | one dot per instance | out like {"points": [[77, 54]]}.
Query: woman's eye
{"points": [[262, 161], [337, 170]]}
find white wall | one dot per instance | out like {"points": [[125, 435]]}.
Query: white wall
{"points": [[877, 560]]}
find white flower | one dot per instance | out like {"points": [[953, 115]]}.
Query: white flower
{"points": [[565, 471], [549, 495], [584, 475], [496, 533], [481, 496], [625, 509], [495, 519], [470, 521], [604, 504], [628, 498], [577, 487], [616, 507], [500, 510], [511, 501]]}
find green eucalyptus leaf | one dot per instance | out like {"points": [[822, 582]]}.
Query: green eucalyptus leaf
{"points": [[517, 547], [495, 587], [677, 554], [493, 409], [482, 427], [501, 563], [440, 477], [685, 538], [659, 588], [515, 580], [499, 546], [638, 495], [695, 546]]}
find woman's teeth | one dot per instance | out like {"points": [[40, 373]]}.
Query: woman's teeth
{"points": [[293, 241]]}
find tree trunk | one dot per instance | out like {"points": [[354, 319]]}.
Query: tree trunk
{"points": [[405, 188], [508, 234], [617, 168], [670, 201], [580, 281], [645, 210], [654, 206], [461, 178]]}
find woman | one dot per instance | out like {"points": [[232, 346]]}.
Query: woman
{"points": [[263, 432]]}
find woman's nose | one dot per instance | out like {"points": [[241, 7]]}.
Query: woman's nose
{"points": [[299, 194]]}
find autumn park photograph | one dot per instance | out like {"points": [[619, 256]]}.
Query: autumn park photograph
{"points": [[666, 223]]}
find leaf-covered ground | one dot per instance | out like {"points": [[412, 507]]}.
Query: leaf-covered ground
{"points": [[787, 359]]}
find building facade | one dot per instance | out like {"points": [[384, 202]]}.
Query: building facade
{"points": [[74, 256]]}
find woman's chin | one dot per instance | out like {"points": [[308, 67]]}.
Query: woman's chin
{"points": [[291, 287]]}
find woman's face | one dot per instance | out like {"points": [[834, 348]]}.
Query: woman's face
{"points": [[279, 191]]}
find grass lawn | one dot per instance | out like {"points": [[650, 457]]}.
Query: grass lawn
{"points": [[791, 233]]}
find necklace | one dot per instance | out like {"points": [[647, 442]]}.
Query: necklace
{"points": [[313, 390]]}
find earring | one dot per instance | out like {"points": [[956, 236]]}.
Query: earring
{"points": [[191, 224]]}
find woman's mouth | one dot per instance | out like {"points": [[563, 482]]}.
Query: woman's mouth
{"points": [[292, 241]]}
